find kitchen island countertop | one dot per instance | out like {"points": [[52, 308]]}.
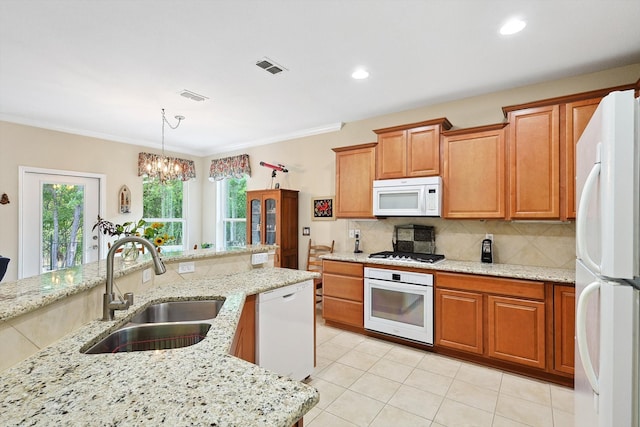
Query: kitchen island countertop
{"points": [[197, 385], [545, 274]]}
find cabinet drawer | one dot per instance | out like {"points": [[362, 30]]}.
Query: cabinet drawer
{"points": [[344, 268], [491, 285], [351, 288], [348, 312]]}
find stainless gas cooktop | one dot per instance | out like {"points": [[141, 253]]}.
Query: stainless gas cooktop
{"points": [[408, 256]]}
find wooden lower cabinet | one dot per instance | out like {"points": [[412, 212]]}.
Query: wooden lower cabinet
{"points": [[523, 326], [244, 342], [516, 330], [564, 314], [343, 293], [459, 320]]}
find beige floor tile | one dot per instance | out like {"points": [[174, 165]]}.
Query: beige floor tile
{"points": [[469, 394], [328, 392], [439, 364], [429, 381], [391, 370], [379, 388], [326, 419], [355, 408], [562, 398], [313, 413], [359, 360], [392, 416], [324, 334], [340, 374], [331, 351], [418, 402], [405, 355], [562, 419], [480, 376], [524, 411], [321, 363], [347, 339], [499, 421], [374, 346], [455, 414], [525, 388]]}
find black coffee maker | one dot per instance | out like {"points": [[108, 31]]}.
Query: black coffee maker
{"points": [[487, 251]]}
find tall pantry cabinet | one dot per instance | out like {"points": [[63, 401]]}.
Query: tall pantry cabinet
{"points": [[272, 219]]}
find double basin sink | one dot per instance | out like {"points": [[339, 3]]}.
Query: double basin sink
{"points": [[161, 326]]}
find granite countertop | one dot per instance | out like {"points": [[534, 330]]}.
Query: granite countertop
{"points": [[197, 385], [25, 295], [545, 274]]}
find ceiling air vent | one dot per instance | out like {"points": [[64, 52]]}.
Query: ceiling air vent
{"points": [[270, 66], [192, 95]]}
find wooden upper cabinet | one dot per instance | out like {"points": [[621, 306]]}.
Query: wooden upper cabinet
{"points": [[355, 172], [474, 172], [534, 163], [411, 150], [576, 117]]}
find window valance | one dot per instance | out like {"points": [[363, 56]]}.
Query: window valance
{"points": [[229, 167], [152, 165]]}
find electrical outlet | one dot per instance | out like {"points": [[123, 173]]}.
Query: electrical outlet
{"points": [[260, 258], [351, 233], [186, 267], [489, 236], [146, 275]]}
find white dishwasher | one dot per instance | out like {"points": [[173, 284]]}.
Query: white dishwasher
{"points": [[284, 330]]}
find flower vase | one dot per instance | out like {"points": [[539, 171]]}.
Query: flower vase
{"points": [[130, 252]]}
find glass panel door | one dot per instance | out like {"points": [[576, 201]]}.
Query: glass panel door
{"points": [[57, 216], [270, 220], [256, 218]]}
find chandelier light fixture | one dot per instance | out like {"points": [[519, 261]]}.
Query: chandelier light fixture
{"points": [[162, 167]]}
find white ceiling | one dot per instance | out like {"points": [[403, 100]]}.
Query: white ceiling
{"points": [[106, 68]]}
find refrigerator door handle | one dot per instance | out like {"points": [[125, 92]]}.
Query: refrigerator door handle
{"points": [[581, 334], [581, 220]]}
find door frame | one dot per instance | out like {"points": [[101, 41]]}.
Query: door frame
{"points": [[22, 170]]}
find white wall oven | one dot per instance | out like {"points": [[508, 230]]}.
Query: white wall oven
{"points": [[399, 303]]}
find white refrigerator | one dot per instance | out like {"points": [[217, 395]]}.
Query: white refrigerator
{"points": [[607, 265]]}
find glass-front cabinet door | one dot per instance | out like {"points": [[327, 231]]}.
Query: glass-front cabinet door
{"points": [[270, 221], [256, 221]]}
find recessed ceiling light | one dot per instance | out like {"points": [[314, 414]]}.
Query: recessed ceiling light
{"points": [[360, 74], [512, 26]]}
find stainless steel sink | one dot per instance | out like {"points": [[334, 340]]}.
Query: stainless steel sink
{"points": [[159, 336], [179, 311]]}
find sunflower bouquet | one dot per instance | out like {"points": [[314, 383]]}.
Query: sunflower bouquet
{"points": [[156, 234]]}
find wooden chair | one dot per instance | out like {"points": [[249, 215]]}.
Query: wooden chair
{"points": [[314, 263]]}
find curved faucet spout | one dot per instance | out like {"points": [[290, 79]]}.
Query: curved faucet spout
{"points": [[109, 306]]}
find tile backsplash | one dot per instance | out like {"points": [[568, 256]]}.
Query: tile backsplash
{"points": [[544, 244]]}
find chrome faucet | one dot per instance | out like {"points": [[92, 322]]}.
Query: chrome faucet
{"points": [[109, 305]]}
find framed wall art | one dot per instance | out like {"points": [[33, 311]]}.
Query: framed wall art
{"points": [[322, 209]]}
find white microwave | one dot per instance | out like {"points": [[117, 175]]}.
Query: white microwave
{"points": [[407, 196]]}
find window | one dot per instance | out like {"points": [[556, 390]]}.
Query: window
{"points": [[232, 213], [165, 204]]}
